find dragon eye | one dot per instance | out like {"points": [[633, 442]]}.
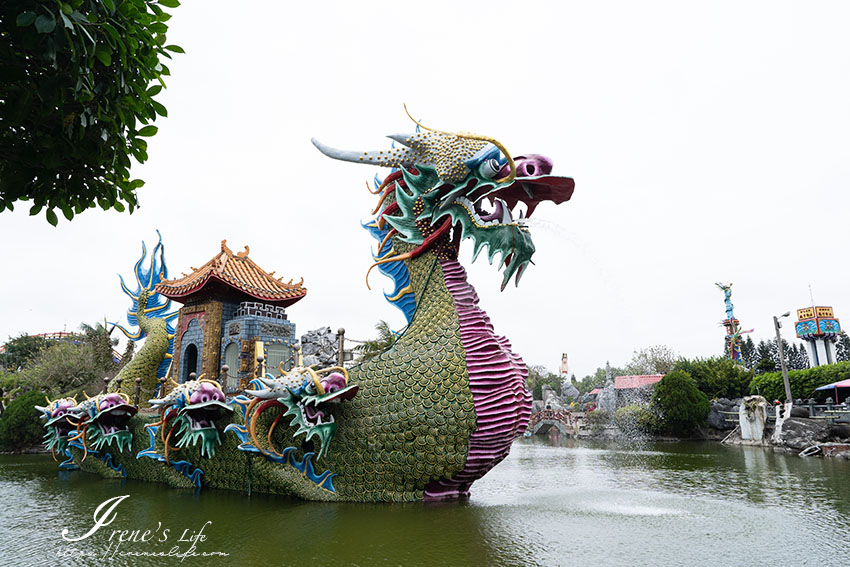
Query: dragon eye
{"points": [[489, 168]]}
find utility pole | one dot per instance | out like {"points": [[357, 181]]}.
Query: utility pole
{"points": [[778, 325]]}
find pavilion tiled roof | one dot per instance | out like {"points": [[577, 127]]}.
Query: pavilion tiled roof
{"points": [[239, 275]]}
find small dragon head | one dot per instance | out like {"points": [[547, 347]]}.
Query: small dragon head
{"points": [[191, 409], [59, 423], [105, 419], [308, 396], [465, 182]]}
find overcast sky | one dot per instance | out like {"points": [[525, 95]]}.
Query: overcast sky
{"points": [[708, 141]]}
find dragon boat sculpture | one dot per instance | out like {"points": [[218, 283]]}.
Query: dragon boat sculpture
{"points": [[422, 420]]}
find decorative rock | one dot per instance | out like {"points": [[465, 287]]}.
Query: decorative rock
{"points": [[606, 399], [718, 420], [550, 399], [569, 391], [800, 433], [320, 346], [752, 417]]}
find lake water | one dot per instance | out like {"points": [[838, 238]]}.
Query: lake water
{"points": [[550, 503]]}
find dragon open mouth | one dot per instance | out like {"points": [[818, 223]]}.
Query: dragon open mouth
{"points": [[114, 419], [512, 204], [494, 215], [111, 426], [60, 426], [204, 414], [59, 429], [314, 409]]}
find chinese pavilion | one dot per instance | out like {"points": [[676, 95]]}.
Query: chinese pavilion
{"points": [[233, 311]]}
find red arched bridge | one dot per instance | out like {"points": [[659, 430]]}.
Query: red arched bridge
{"points": [[544, 420]]}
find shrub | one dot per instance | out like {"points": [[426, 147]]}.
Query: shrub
{"points": [[680, 403], [718, 377], [597, 419], [803, 382], [637, 420], [60, 368], [21, 426]]}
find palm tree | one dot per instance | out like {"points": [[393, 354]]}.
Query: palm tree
{"points": [[369, 349]]}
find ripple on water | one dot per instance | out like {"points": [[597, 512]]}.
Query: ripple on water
{"points": [[546, 504]]}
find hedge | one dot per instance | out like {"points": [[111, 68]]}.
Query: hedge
{"points": [[803, 382]]}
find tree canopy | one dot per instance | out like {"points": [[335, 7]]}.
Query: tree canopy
{"points": [[680, 403], [19, 351], [78, 81], [657, 359]]}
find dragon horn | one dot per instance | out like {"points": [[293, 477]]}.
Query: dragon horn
{"points": [[398, 157]]}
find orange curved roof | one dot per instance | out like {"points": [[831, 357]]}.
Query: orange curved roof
{"points": [[234, 276]]}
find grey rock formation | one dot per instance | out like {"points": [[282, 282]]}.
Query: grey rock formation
{"points": [[607, 398], [718, 420], [319, 347], [569, 391], [551, 399], [798, 433]]}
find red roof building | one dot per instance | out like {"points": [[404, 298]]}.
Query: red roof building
{"points": [[632, 382]]}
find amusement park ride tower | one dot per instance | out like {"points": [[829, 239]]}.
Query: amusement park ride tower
{"points": [[820, 329], [733, 329]]}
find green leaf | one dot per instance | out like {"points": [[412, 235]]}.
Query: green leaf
{"points": [[45, 24], [154, 90], [118, 206], [147, 131], [35, 209], [66, 9], [104, 54], [25, 19], [159, 108], [169, 3], [112, 32], [175, 48], [67, 211], [109, 5], [51, 217]]}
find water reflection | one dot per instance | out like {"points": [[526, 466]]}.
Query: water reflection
{"points": [[549, 503]]}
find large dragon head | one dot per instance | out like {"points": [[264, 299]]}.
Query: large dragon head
{"points": [[189, 413], [59, 423], [462, 181], [308, 396]]}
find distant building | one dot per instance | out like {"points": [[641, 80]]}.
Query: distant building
{"points": [[819, 328], [636, 388], [233, 312]]}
